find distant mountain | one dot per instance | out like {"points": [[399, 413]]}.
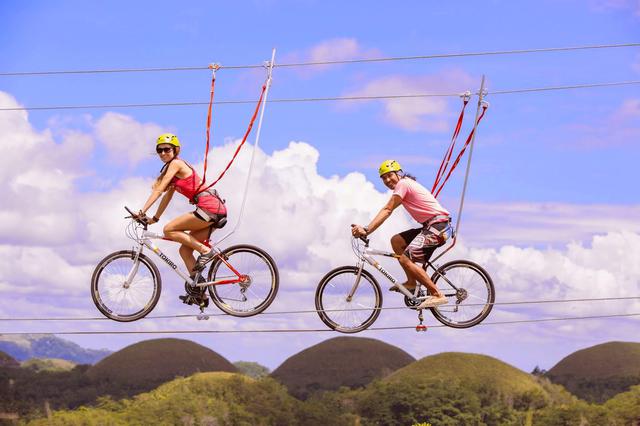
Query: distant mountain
{"points": [[7, 360], [599, 372], [147, 364], [28, 346], [342, 361]]}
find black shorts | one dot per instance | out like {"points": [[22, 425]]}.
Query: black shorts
{"points": [[421, 251], [216, 220]]}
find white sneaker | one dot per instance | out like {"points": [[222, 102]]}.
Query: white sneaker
{"points": [[433, 301]]}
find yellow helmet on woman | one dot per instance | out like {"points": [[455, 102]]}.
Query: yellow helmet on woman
{"points": [[389, 166], [169, 138]]}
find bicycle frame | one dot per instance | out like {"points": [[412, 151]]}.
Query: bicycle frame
{"points": [[367, 256], [146, 240]]}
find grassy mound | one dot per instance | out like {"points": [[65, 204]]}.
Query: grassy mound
{"points": [[343, 361], [147, 364], [599, 372]]}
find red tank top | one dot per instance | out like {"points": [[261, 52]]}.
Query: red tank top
{"points": [[188, 186]]}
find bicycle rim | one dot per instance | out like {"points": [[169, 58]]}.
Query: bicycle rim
{"points": [[252, 297], [339, 312], [473, 300], [119, 301]]}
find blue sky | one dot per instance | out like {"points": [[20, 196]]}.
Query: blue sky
{"points": [[553, 172]]}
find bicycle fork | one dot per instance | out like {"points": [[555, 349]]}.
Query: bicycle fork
{"points": [[360, 265], [134, 269]]}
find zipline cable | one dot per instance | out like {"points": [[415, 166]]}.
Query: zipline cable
{"points": [[320, 63], [306, 330], [308, 311], [321, 99]]}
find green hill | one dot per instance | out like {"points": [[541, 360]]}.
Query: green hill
{"points": [[474, 369], [48, 364], [457, 388], [599, 372], [147, 364], [342, 361], [202, 399]]}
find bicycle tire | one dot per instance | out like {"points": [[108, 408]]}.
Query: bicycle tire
{"points": [[332, 307], [474, 275], [263, 272], [108, 278]]}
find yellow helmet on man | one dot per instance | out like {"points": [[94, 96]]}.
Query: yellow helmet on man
{"points": [[169, 138], [389, 166]]}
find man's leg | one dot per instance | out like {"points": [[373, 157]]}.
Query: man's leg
{"points": [[399, 245]]}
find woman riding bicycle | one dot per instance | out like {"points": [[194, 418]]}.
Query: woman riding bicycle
{"points": [[188, 229], [413, 245]]}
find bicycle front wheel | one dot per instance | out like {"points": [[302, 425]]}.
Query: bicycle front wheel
{"points": [[341, 312], [125, 290], [469, 290], [259, 287]]}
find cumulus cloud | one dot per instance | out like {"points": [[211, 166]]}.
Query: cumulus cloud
{"points": [[429, 114], [335, 49], [126, 140]]}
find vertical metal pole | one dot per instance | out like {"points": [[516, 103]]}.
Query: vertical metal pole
{"points": [[255, 145], [473, 139]]}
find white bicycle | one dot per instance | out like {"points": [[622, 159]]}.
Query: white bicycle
{"points": [[349, 299], [242, 280]]}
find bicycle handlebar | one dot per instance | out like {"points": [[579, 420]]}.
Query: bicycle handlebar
{"points": [[136, 217]]}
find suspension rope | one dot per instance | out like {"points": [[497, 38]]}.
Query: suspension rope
{"points": [[315, 330], [319, 99], [319, 63], [244, 139], [449, 151], [315, 311], [462, 150], [214, 68]]}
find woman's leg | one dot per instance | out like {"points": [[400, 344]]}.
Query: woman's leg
{"points": [[176, 230], [413, 271], [186, 252]]}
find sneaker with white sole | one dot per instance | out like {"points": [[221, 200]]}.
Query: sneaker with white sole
{"points": [[203, 259], [433, 301]]}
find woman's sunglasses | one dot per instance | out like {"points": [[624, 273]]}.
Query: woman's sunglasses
{"points": [[163, 150]]}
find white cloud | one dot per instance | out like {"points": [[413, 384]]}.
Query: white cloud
{"points": [[126, 140], [619, 127], [335, 49], [430, 114]]}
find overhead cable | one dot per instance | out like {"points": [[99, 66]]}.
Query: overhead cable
{"points": [[305, 330], [315, 311], [320, 99], [320, 63]]}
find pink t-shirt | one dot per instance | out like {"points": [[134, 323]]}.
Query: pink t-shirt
{"points": [[418, 201]]}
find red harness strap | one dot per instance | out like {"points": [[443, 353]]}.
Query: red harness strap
{"points": [[214, 68], [464, 147], [244, 139], [447, 155]]}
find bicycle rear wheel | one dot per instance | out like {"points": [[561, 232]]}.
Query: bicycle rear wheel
{"points": [[344, 314], [119, 300], [469, 290], [256, 292]]}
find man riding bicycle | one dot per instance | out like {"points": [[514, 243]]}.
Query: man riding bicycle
{"points": [[413, 245]]}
